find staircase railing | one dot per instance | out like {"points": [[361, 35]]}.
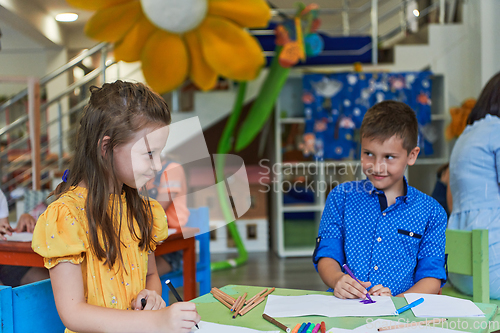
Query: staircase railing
{"points": [[30, 160]]}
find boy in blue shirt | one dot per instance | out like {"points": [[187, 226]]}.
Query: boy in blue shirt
{"points": [[391, 235]]}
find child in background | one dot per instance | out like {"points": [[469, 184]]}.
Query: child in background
{"points": [[98, 237], [170, 184], [390, 235], [15, 276]]}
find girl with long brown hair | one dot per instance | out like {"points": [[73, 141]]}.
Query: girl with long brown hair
{"points": [[98, 237]]}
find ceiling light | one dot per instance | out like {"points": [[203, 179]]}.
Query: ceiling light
{"points": [[66, 17]]}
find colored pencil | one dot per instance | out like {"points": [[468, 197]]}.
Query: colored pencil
{"points": [[323, 327], [419, 323], [239, 306], [276, 323], [316, 328], [296, 328], [250, 306], [228, 298], [301, 328], [220, 299], [237, 302], [256, 296], [176, 294]]}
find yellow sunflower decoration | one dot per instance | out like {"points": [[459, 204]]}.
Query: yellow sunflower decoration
{"points": [[180, 39]]}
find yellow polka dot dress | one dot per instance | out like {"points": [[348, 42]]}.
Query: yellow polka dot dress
{"points": [[61, 235]]}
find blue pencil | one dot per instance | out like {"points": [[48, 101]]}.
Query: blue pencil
{"points": [[409, 306], [301, 327], [305, 328]]}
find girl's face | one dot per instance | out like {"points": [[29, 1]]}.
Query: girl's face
{"points": [[138, 160]]}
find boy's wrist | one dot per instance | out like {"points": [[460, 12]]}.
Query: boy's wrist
{"points": [[336, 278]]}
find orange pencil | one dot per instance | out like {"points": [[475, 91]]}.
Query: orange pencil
{"points": [[323, 327], [239, 306], [256, 296], [296, 328], [238, 300], [225, 296], [251, 306], [220, 299]]}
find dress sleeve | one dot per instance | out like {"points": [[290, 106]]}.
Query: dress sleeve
{"points": [[160, 226], [59, 236]]}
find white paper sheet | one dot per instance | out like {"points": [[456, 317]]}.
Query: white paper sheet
{"points": [[328, 306], [438, 306], [373, 326], [207, 327], [20, 237]]}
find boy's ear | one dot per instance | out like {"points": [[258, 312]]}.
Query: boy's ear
{"points": [[412, 156], [103, 143]]}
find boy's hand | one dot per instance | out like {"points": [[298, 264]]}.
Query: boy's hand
{"points": [[178, 318], [380, 290], [347, 287], [5, 228], [153, 300]]}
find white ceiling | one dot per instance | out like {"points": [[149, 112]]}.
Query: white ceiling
{"points": [[34, 19]]}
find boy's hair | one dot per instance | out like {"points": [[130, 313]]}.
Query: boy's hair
{"points": [[488, 102], [389, 118], [117, 110]]}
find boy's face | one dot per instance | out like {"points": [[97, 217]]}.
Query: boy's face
{"points": [[384, 163]]}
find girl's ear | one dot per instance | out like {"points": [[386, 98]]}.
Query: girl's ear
{"points": [[104, 145]]}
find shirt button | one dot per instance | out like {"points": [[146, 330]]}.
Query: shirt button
{"points": [[384, 214], [379, 239], [375, 268], [411, 234]]}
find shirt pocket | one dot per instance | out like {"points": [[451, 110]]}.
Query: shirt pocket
{"points": [[409, 241]]}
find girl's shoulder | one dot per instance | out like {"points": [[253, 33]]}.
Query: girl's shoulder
{"points": [[72, 202]]}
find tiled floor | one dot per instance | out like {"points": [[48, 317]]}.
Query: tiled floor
{"points": [[268, 270]]}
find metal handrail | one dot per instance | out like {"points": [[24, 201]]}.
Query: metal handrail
{"points": [[23, 93]]}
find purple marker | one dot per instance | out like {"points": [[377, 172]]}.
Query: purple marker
{"points": [[369, 300]]}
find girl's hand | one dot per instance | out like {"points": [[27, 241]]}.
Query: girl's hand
{"points": [[153, 300], [380, 290], [178, 318], [347, 287]]}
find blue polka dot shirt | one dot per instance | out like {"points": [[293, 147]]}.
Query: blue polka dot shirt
{"points": [[395, 246]]}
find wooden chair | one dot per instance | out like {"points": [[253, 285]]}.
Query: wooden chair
{"points": [[468, 254], [198, 218]]}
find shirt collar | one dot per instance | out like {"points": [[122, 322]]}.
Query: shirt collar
{"points": [[371, 190]]}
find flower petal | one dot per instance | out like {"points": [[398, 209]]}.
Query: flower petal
{"points": [[94, 4], [230, 50], [111, 24], [164, 61], [247, 13], [201, 73], [130, 47]]}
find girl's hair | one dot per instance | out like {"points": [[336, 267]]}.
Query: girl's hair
{"points": [[117, 110], [488, 102]]}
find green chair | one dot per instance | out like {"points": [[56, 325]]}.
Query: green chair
{"points": [[468, 254]]}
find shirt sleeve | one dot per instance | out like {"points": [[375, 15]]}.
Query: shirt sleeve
{"points": [[495, 142], [330, 241], [160, 226], [430, 259], [4, 207], [59, 236]]}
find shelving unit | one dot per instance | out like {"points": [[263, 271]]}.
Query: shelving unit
{"points": [[296, 238]]}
